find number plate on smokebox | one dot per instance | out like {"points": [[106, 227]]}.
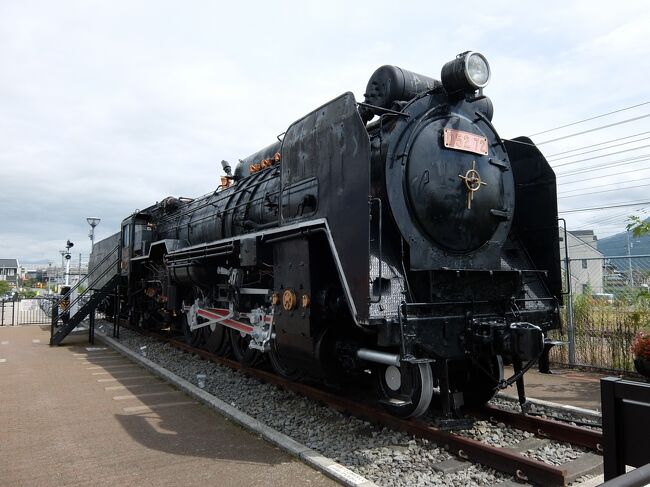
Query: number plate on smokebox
{"points": [[465, 141]]}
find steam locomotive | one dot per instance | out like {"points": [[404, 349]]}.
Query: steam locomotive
{"points": [[399, 236]]}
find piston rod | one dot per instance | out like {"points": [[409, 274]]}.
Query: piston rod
{"points": [[378, 357]]}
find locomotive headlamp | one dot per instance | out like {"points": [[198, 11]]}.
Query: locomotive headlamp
{"points": [[478, 69], [469, 72]]}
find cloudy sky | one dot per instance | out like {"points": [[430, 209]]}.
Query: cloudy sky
{"points": [[106, 107]]}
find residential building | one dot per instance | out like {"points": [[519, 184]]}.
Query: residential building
{"points": [[9, 271], [587, 262]]}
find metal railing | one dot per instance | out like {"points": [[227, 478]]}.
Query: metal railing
{"points": [[30, 311], [639, 477]]}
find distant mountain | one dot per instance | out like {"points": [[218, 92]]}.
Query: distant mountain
{"points": [[617, 245]]}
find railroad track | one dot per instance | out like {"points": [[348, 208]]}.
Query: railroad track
{"points": [[508, 459]]}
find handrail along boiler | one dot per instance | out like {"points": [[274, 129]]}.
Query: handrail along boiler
{"points": [[400, 236]]}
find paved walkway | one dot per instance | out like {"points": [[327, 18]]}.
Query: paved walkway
{"points": [[78, 415], [564, 386]]}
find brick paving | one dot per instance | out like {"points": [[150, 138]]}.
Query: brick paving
{"points": [[73, 416]]}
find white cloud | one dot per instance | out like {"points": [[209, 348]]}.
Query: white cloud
{"points": [[107, 107]]}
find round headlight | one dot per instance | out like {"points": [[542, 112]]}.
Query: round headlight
{"points": [[469, 72], [477, 69]]}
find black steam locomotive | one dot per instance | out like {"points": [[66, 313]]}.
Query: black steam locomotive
{"points": [[400, 236]]}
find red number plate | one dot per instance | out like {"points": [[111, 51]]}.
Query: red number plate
{"points": [[465, 141]]}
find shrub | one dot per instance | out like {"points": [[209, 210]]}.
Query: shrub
{"points": [[641, 345]]}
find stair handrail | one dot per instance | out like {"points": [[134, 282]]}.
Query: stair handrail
{"points": [[82, 295], [55, 331], [90, 273]]}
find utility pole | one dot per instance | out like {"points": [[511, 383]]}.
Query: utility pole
{"points": [[79, 271], [629, 259]]}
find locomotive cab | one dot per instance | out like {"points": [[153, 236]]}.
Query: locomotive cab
{"points": [[136, 238]]}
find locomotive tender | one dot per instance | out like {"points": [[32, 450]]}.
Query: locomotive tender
{"points": [[400, 236]]}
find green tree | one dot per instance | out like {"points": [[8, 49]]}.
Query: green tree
{"points": [[638, 227], [5, 287], [29, 282]]}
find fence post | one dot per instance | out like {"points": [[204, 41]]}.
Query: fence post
{"points": [[13, 313], [2, 320], [569, 311], [55, 319], [91, 327], [116, 315], [569, 305]]}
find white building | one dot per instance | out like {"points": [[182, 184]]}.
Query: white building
{"points": [[9, 271], [586, 262]]}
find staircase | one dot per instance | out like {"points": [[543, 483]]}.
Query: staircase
{"points": [[88, 300]]}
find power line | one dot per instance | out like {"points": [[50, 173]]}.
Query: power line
{"points": [[581, 243], [597, 177], [591, 118], [595, 129], [619, 221], [598, 150], [608, 219], [635, 180], [630, 160], [598, 223], [602, 155], [604, 191], [624, 205], [601, 143]]}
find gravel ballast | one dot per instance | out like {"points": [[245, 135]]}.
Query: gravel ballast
{"points": [[382, 455]]}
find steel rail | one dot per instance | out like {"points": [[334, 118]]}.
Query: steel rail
{"points": [[501, 459], [543, 427]]}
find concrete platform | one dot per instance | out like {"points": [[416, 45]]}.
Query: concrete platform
{"points": [[564, 386], [83, 415]]}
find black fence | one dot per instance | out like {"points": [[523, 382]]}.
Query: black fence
{"points": [[25, 311]]}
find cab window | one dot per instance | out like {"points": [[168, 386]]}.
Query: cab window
{"points": [[126, 236]]}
